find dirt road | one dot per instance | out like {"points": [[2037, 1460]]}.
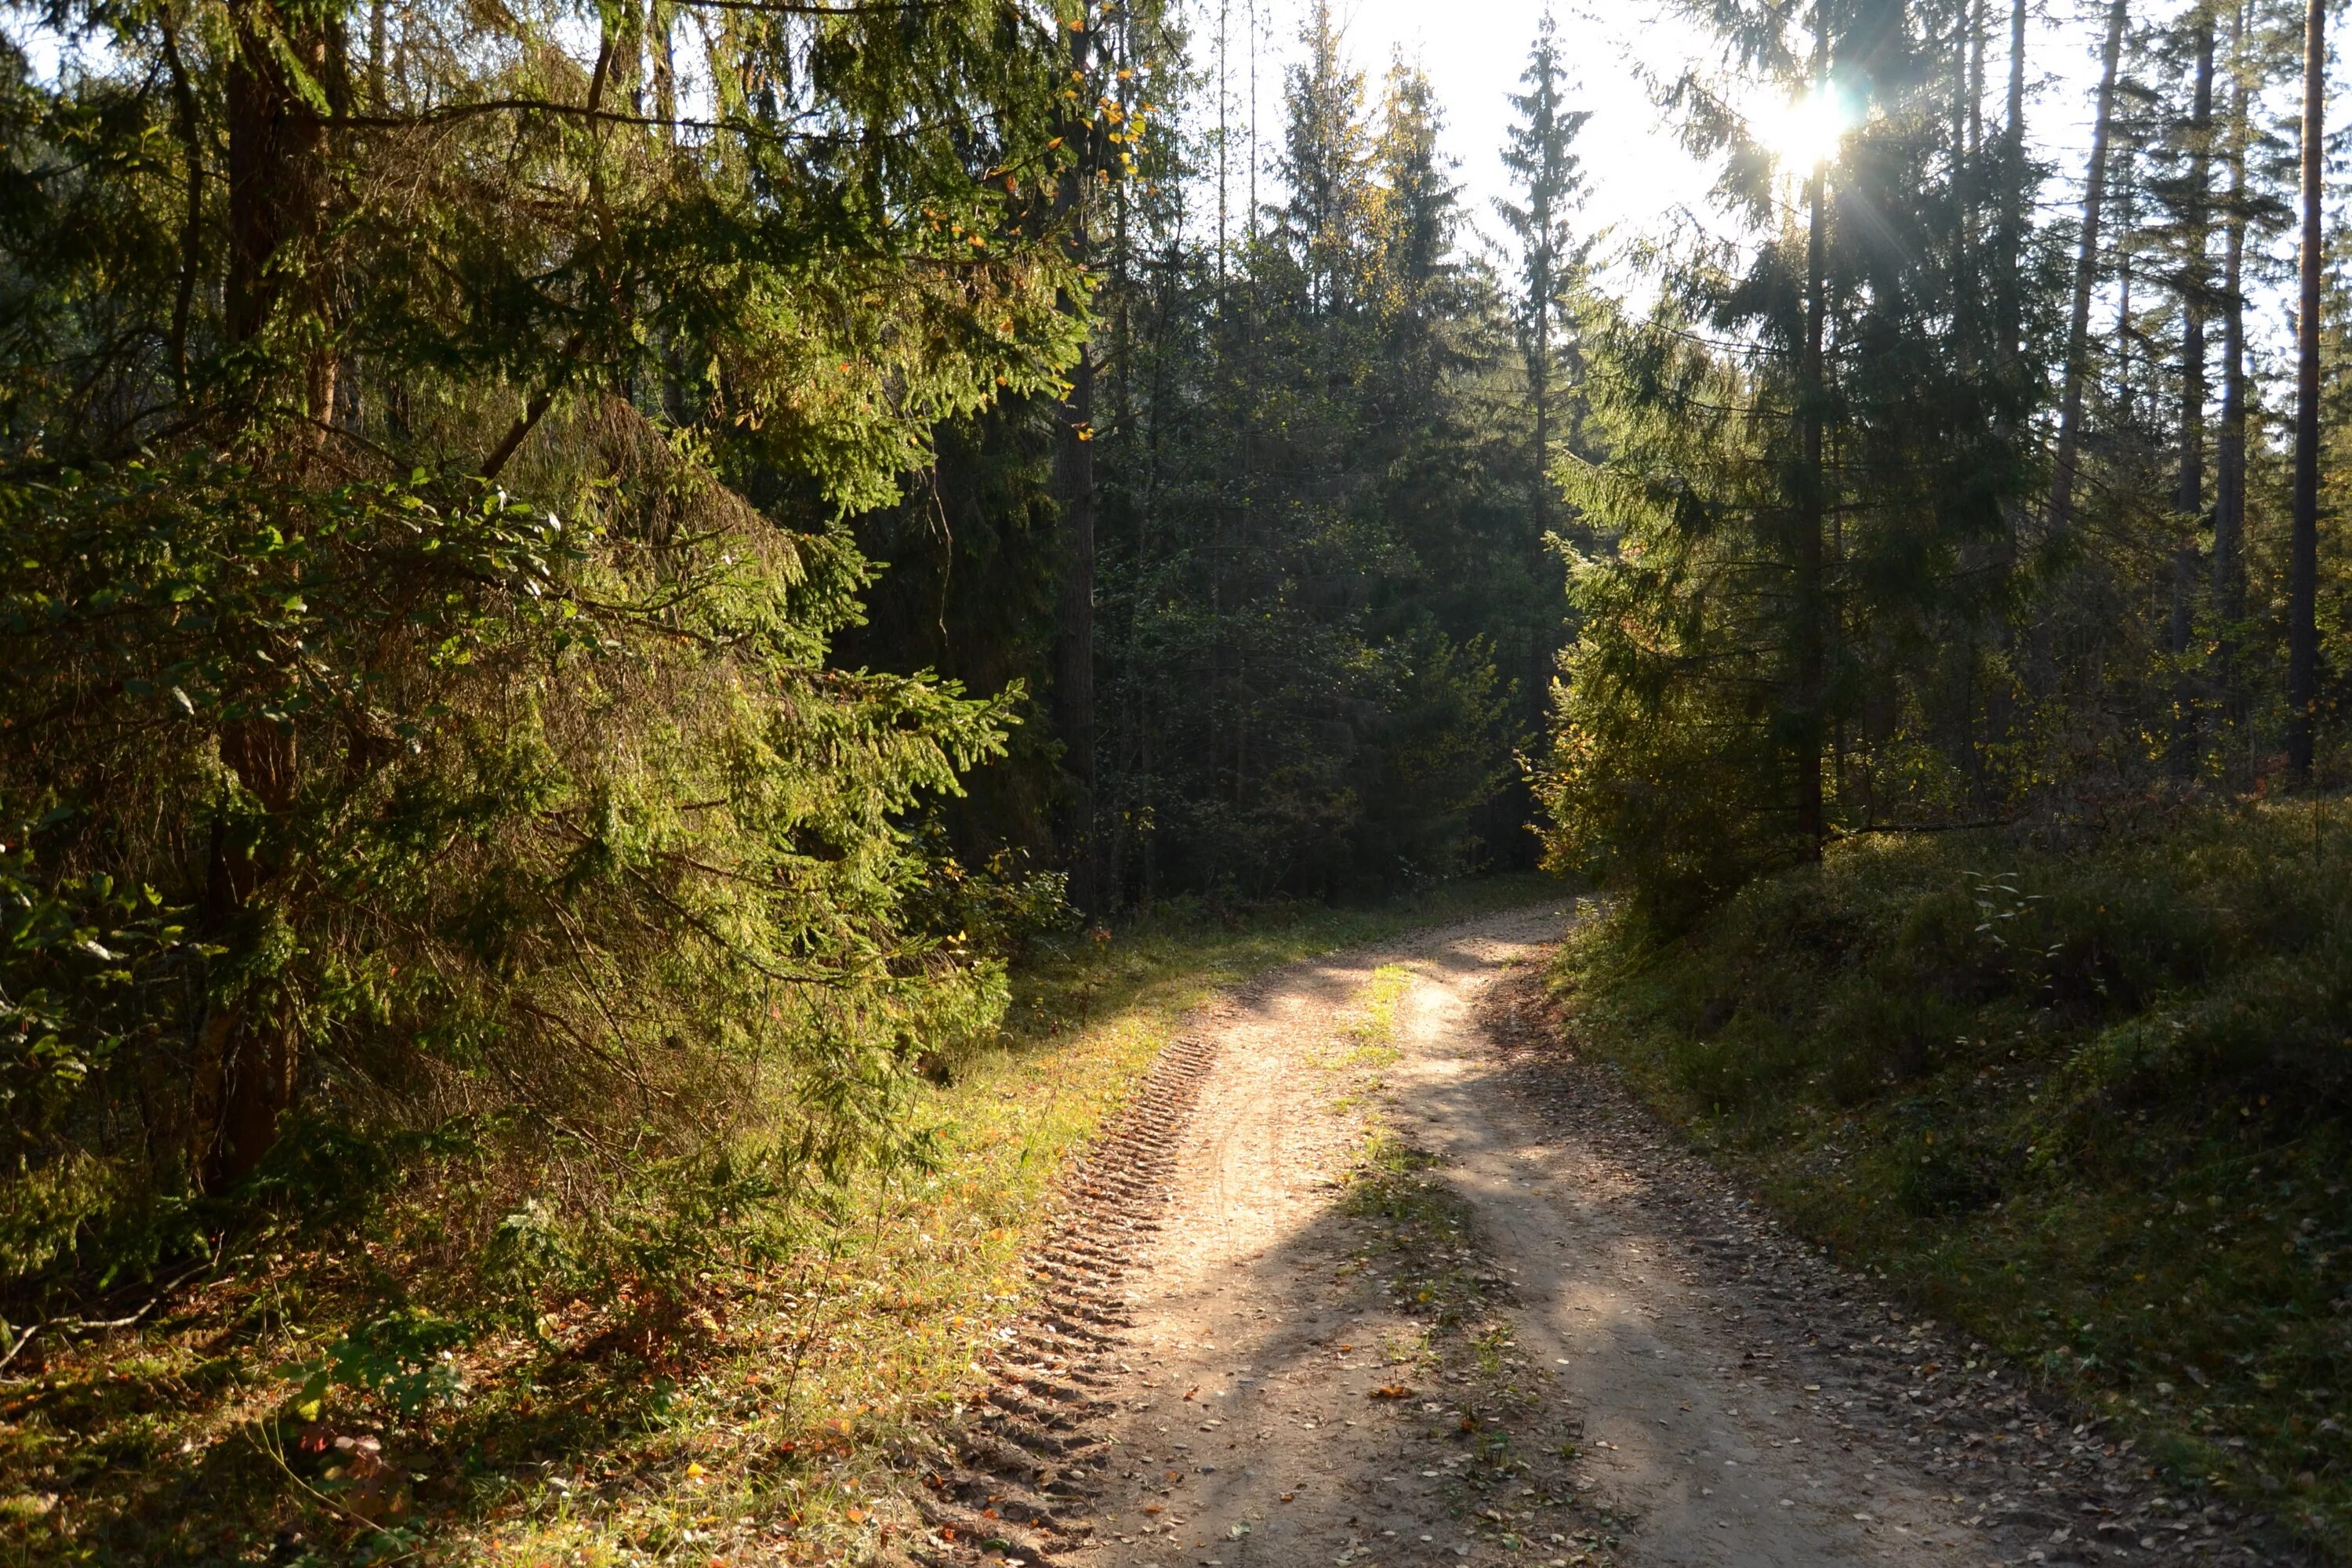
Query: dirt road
{"points": [[1420, 1294]]}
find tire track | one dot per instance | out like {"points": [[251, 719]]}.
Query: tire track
{"points": [[1012, 1485]]}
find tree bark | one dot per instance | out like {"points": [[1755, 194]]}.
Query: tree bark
{"points": [[192, 222], [2189, 498], [276, 180], [246, 1056], [1812, 820], [1540, 368], [2012, 214], [1974, 146], [2087, 273], [1074, 621], [2303, 544], [2229, 453]]}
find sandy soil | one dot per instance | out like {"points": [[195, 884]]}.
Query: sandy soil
{"points": [[1650, 1373]]}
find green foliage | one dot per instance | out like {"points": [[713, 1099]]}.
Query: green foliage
{"points": [[424, 533], [1834, 584], [1808, 466], [571, 809], [402, 1358], [2094, 1105]]}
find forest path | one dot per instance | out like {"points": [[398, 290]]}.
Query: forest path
{"points": [[1649, 1377]]}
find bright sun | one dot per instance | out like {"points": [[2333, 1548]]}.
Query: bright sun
{"points": [[1805, 130]]}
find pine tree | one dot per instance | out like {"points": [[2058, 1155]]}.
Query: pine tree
{"points": [[2303, 549], [2077, 361], [1325, 164], [2192, 207]]}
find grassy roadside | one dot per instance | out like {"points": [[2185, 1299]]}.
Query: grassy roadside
{"points": [[769, 1421], [2087, 1103]]}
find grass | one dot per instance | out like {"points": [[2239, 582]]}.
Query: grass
{"points": [[1497, 1433], [2086, 1103], [778, 1412]]}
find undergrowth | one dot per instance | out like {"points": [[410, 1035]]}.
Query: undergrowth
{"points": [[2088, 1103], [295, 1407]]}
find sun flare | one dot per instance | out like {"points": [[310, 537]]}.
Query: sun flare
{"points": [[1805, 130]]}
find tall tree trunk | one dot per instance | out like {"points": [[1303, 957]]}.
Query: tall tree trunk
{"points": [[192, 222], [2127, 190], [1225, 155], [245, 1058], [2230, 453], [2087, 273], [2189, 498], [1539, 377], [1074, 619], [2014, 198], [276, 179], [1975, 68], [1812, 600], [1074, 643], [2303, 545], [662, 28]]}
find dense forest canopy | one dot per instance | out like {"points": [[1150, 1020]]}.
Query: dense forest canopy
{"points": [[577, 581]]}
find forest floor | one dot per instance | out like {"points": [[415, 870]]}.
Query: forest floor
{"points": [[1388, 1276]]}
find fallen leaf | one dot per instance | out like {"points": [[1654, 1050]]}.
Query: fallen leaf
{"points": [[1393, 1391]]}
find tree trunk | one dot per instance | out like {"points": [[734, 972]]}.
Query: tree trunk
{"points": [[1074, 650], [1974, 145], [2189, 498], [1539, 369], [2230, 455], [2086, 274], [192, 222], [1073, 619], [1812, 821], [2303, 543], [245, 1057], [2012, 214], [277, 180]]}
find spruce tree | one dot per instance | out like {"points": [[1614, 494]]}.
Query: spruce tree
{"points": [[429, 441], [1540, 153]]}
